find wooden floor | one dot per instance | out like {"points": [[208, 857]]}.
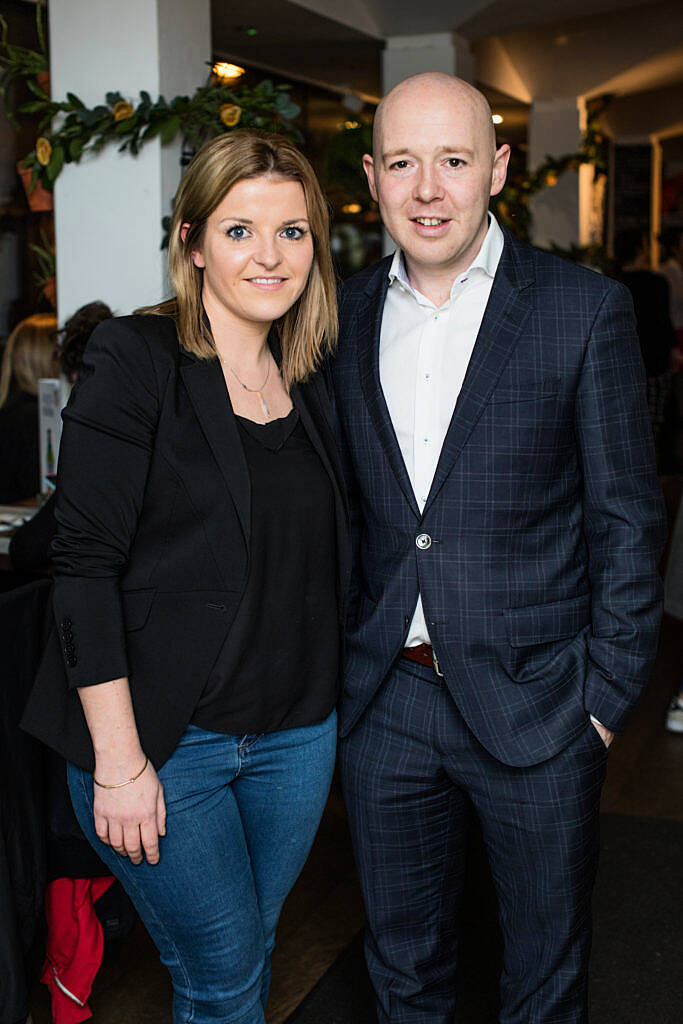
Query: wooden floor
{"points": [[324, 911]]}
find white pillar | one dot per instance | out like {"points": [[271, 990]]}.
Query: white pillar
{"points": [[108, 208], [561, 213], [437, 51]]}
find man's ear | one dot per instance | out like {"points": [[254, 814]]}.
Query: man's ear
{"points": [[369, 168], [500, 169]]}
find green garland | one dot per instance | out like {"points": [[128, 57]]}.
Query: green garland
{"points": [[212, 110], [511, 206]]}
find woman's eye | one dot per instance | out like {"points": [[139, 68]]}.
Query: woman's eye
{"points": [[293, 233], [237, 232]]}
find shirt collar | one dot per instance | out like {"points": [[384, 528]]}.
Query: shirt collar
{"points": [[487, 259]]}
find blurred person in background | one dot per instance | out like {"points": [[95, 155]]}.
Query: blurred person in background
{"points": [[671, 268], [30, 353], [673, 605], [30, 546], [650, 294]]}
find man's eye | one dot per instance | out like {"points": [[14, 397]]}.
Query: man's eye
{"points": [[455, 161], [293, 233], [237, 232], [399, 165]]}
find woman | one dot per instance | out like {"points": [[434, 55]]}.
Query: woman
{"points": [[201, 565], [29, 548], [30, 353]]}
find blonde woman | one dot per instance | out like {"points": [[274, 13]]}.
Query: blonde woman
{"points": [[200, 577], [30, 353]]}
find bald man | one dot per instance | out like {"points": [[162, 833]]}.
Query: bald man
{"points": [[508, 523]]}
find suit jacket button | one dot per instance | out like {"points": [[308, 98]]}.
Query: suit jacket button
{"points": [[423, 541], [66, 623]]}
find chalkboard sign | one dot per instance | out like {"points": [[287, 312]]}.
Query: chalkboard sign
{"points": [[632, 187]]}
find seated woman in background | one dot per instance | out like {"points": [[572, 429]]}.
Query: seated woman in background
{"points": [[201, 566], [29, 548], [30, 353]]}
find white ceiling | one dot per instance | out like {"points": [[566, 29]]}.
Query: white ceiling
{"points": [[472, 18]]}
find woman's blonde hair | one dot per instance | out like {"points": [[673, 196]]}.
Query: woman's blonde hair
{"points": [[30, 353], [308, 330]]}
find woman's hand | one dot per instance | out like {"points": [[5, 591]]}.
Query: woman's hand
{"points": [[131, 818]]}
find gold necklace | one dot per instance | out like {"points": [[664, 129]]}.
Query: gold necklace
{"points": [[254, 391]]}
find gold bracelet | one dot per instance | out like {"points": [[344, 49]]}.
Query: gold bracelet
{"points": [[103, 785]]}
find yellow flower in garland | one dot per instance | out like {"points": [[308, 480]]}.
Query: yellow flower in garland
{"points": [[43, 151], [122, 110], [230, 114]]}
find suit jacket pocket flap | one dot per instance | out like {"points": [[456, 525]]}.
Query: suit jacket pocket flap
{"points": [[136, 607], [542, 623]]}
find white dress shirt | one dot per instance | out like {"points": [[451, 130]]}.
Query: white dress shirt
{"points": [[424, 353]]}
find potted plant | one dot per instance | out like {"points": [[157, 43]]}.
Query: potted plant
{"points": [[44, 276], [19, 63]]}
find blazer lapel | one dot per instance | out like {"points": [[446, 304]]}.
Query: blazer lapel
{"points": [[205, 385], [504, 318], [310, 406], [367, 332]]}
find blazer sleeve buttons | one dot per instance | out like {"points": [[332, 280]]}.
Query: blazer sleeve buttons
{"points": [[68, 642]]}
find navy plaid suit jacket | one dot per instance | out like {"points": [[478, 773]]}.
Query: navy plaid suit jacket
{"points": [[540, 587]]}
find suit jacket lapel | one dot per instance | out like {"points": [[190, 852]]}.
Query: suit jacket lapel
{"points": [[205, 385], [504, 318], [367, 331]]}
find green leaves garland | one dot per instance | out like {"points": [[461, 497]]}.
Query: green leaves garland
{"points": [[212, 110], [511, 206]]}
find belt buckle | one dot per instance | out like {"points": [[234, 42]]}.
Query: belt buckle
{"points": [[435, 664]]}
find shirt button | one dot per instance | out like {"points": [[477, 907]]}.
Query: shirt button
{"points": [[423, 541], [436, 316]]}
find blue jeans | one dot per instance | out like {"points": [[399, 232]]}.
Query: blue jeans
{"points": [[242, 813]]}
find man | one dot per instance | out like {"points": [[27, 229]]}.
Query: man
{"points": [[492, 418]]}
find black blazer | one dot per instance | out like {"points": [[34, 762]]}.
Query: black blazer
{"points": [[152, 551]]}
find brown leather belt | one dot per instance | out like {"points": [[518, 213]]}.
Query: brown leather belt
{"points": [[423, 654]]}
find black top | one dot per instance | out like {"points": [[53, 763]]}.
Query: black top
{"points": [[19, 461], [279, 666], [650, 294]]}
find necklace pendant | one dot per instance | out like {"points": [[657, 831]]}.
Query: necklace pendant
{"points": [[264, 405]]}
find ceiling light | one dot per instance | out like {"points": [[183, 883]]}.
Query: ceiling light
{"points": [[227, 72], [497, 118], [352, 208]]}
